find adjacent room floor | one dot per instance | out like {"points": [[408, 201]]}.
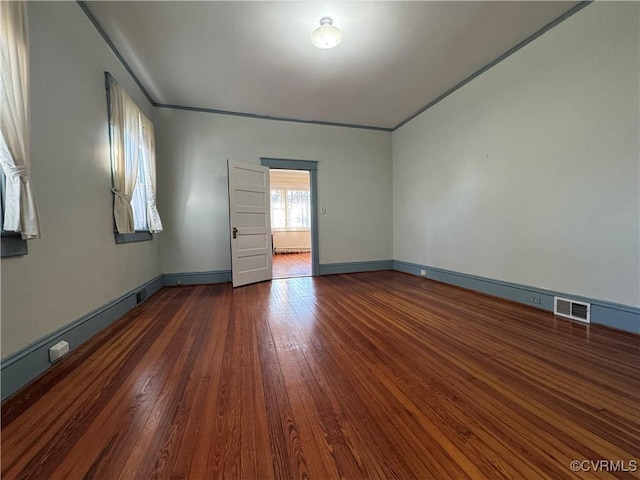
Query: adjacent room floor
{"points": [[378, 375], [288, 265]]}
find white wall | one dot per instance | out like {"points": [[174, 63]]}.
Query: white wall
{"points": [[530, 173], [292, 241], [76, 266], [354, 184]]}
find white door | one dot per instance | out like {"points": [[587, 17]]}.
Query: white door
{"points": [[250, 223]]}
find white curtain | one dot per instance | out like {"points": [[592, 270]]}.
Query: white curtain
{"points": [[149, 158], [125, 149], [21, 213], [290, 209]]}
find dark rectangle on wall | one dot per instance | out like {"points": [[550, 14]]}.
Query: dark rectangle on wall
{"points": [[13, 246]]}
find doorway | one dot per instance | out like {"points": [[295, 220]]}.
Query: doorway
{"points": [[290, 223], [294, 217]]}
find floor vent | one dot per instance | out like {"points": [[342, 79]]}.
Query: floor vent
{"points": [[572, 309], [141, 296]]}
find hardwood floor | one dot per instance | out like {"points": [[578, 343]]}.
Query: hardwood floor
{"points": [[287, 265], [366, 376]]}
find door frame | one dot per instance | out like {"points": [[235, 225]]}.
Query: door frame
{"points": [[310, 166]]}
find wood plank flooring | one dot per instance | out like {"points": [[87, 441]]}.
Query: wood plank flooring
{"points": [[378, 375], [288, 265]]}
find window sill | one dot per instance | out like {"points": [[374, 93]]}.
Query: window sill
{"points": [[13, 245], [133, 237]]}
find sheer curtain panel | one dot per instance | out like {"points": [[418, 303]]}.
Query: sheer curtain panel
{"points": [[125, 152], [149, 160], [21, 213]]}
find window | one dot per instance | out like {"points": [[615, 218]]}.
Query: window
{"points": [[132, 140], [19, 213], [290, 209]]}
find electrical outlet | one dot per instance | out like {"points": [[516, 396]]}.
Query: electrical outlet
{"points": [[423, 273], [58, 351], [535, 300]]}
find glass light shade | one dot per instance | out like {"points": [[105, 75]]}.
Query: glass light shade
{"points": [[326, 36]]}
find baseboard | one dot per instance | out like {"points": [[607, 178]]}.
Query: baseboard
{"points": [[292, 250], [21, 367], [196, 278], [622, 317], [355, 267]]}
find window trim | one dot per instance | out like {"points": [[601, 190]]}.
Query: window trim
{"points": [[138, 236], [13, 245]]}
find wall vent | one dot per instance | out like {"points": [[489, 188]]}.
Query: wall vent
{"points": [[141, 296], [572, 309]]}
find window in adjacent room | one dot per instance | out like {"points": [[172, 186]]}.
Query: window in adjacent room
{"points": [[290, 209], [132, 140]]}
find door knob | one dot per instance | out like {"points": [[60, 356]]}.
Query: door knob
{"points": [[235, 232]]}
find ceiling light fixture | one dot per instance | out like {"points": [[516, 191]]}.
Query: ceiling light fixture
{"points": [[326, 35]]}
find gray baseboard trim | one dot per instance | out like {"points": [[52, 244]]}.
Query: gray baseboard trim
{"points": [[355, 267], [196, 278], [19, 368], [615, 315]]}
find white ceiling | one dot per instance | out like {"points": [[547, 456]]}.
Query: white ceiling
{"points": [[288, 178], [256, 57]]}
